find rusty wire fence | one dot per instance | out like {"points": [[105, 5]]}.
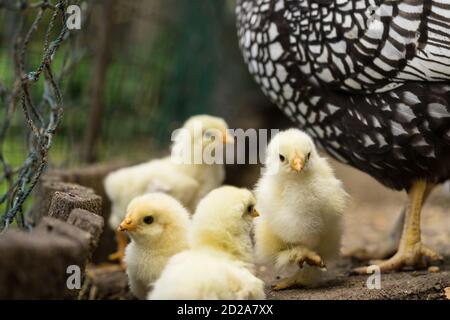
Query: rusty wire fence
{"points": [[29, 93]]}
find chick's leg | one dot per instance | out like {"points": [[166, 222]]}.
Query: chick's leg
{"points": [[411, 251], [122, 241]]}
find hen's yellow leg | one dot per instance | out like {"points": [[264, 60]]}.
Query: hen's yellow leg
{"points": [[411, 251], [122, 242]]}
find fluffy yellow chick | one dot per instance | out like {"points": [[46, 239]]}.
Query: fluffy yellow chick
{"points": [[301, 204], [185, 177], [158, 227], [219, 264]]}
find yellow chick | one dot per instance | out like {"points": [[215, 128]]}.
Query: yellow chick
{"points": [[219, 264], [184, 175], [158, 226], [301, 204]]}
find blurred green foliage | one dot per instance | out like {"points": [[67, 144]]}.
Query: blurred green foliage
{"points": [[165, 62], [169, 59]]}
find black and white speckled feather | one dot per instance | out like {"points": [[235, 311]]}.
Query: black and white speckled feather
{"points": [[369, 79]]}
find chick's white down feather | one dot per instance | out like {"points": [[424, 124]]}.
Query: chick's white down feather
{"points": [[300, 211], [153, 244], [219, 264], [187, 182]]}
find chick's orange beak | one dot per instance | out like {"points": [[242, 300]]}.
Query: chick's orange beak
{"points": [[255, 213], [297, 164], [127, 225], [227, 138]]}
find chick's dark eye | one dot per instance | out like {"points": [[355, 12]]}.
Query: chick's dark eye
{"points": [[250, 209], [148, 220], [282, 158], [309, 155]]}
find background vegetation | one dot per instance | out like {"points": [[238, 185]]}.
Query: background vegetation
{"points": [[133, 73], [162, 60]]}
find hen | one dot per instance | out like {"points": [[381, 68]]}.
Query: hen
{"points": [[368, 79]]}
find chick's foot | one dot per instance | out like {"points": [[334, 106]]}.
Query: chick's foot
{"points": [[298, 256], [119, 255], [302, 255], [115, 256]]}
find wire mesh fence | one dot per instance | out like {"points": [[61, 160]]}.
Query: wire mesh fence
{"points": [[33, 91]]}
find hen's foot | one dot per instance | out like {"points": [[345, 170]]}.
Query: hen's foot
{"points": [[411, 252], [415, 257]]}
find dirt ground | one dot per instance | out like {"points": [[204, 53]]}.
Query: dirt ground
{"points": [[372, 213]]}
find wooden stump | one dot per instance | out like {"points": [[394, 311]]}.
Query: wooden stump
{"points": [[38, 265], [34, 266], [106, 282], [92, 177], [63, 203], [89, 222]]}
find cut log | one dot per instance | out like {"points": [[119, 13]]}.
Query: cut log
{"points": [[89, 222], [92, 177], [33, 266], [63, 203], [106, 282]]}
